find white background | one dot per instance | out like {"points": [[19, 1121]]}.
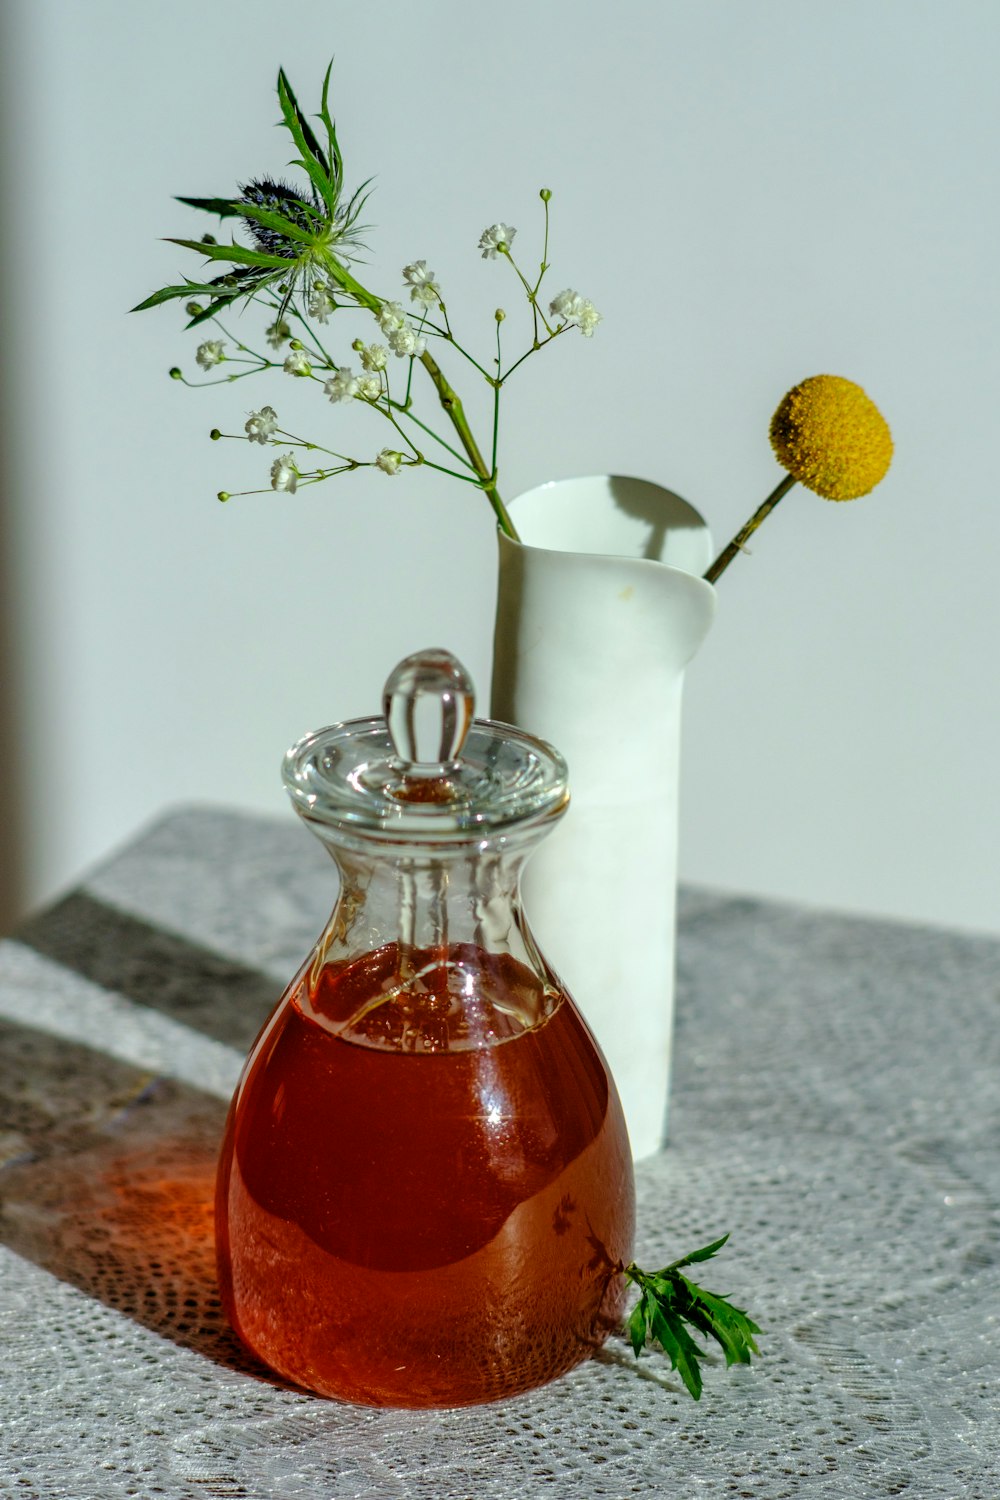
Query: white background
{"points": [[752, 191]]}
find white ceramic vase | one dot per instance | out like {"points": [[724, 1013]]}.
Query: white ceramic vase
{"points": [[601, 605]]}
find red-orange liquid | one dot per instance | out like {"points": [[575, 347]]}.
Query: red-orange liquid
{"points": [[431, 1212]]}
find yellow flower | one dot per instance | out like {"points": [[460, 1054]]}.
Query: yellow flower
{"points": [[832, 438]]}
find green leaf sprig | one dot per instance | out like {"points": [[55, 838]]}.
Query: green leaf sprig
{"points": [[669, 1300]]}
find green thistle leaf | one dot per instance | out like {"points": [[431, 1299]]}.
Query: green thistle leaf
{"points": [[312, 159], [336, 158], [236, 253], [170, 293], [283, 225], [226, 208]]}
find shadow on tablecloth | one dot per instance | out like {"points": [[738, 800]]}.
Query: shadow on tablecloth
{"points": [[106, 1170]]}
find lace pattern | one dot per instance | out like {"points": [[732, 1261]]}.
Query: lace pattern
{"points": [[835, 1106]]}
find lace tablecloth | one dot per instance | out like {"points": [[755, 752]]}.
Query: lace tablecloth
{"points": [[836, 1106]]}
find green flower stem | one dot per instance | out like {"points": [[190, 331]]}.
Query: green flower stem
{"points": [[456, 415], [297, 442], [545, 248], [449, 338], [453, 473], [739, 541], [449, 400], [196, 385], [406, 412], [265, 363], [323, 356], [538, 344], [497, 383]]}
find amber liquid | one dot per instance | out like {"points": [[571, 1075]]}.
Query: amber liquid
{"points": [[422, 1199]]}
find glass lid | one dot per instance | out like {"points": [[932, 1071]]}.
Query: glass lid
{"points": [[428, 771]]}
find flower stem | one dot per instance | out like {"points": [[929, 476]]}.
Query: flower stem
{"points": [[456, 415], [739, 541], [449, 400]]}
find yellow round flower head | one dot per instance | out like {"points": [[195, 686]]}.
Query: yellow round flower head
{"points": [[832, 438]]}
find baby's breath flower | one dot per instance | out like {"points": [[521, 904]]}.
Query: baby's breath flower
{"points": [[320, 304], [297, 363], [342, 385], [392, 316], [588, 319], [278, 334], [261, 424], [373, 356], [402, 336], [369, 387], [423, 287], [497, 239], [570, 307], [284, 474], [407, 342], [210, 353], [832, 437], [388, 461]]}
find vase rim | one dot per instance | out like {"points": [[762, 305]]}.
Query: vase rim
{"points": [[600, 523]]}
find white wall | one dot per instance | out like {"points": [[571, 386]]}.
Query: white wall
{"points": [[752, 191]]}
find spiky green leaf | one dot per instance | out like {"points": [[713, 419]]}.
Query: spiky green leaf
{"points": [[282, 225], [705, 1253], [675, 1341], [237, 254], [728, 1325], [170, 293], [637, 1326], [336, 159], [669, 1300], [297, 122], [224, 207], [312, 159]]}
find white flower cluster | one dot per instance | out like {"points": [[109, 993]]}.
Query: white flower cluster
{"points": [[495, 239], [210, 353], [261, 425], [342, 385], [570, 307], [404, 341], [320, 304], [373, 356], [284, 474], [423, 288], [388, 461], [297, 363], [278, 334]]}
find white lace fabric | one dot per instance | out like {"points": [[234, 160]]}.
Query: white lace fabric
{"points": [[836, 1107]]}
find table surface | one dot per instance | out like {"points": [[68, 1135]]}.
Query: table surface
{"points": [[835, 1106]]}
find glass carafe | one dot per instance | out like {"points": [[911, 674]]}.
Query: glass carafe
{"points": [[425, 1194]]}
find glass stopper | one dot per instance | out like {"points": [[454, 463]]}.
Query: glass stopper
{"points": [[429, 702]]}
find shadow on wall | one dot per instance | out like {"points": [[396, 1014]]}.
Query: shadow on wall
{"points": [[12, 830]]}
